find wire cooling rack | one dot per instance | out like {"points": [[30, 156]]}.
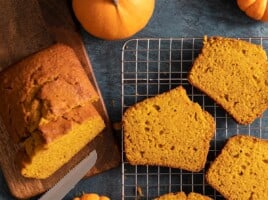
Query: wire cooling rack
{"points": [[151, 66]]}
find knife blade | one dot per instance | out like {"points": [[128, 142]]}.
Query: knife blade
{"points": [[68, 182]]}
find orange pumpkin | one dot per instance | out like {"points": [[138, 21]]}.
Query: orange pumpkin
{"points": [[113, 19], [256, 9], [91, 196]]}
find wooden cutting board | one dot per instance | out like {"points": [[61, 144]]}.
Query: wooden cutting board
{"points": [[25, 28]]}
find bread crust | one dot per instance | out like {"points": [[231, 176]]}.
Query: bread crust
{"points": [[43, 86]]}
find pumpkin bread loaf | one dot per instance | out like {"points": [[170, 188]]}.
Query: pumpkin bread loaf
{"points": [[235, 74], [241, 169], [183, 196], [46, 107], [168, 130]]}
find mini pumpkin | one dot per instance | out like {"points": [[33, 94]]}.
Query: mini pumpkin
{"points": [[92, 196], [256, 9], [113, 19]]}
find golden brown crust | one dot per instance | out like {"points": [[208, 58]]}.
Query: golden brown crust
{"points": [[60, 126], [43, 86], [234, 73]]}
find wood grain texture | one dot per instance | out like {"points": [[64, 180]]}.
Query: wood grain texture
{"points": [[21, 19], [46, 22]]}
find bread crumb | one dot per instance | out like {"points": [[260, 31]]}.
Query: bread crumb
{"points": [[139, 190], [117, 126]]}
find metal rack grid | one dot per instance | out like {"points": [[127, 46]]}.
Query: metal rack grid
{"points": [[151, 66]]}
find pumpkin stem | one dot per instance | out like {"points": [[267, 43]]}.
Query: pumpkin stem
{"points": [[116, 2]]}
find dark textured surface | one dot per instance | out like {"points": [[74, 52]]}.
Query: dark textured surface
{"points": [[172, 18]]}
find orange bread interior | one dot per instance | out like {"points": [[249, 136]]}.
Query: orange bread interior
{"points": [[168, 130], [45, 158], [235, 74], [241, 169]]}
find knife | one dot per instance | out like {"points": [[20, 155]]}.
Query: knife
{"points": [[68, 182]]}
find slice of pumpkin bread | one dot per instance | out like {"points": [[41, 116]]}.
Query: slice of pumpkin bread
{"points": [[196, 196], [241, 169], [183, 196], [235, 74], [168, 130]]}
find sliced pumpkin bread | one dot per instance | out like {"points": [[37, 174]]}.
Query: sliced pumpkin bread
{"points": [[235, 74], [168, 130], [241, 169]]}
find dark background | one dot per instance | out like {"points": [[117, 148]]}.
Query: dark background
{"points": [[171, 18]]}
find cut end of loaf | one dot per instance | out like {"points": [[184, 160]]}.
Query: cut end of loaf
{"points": [[46, 159]]}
